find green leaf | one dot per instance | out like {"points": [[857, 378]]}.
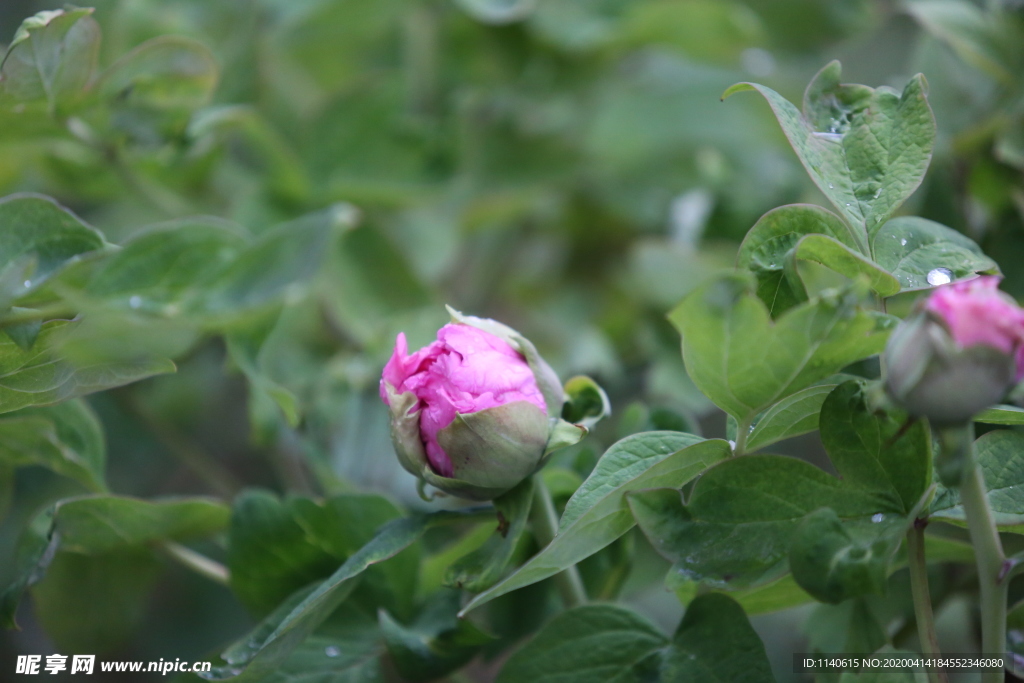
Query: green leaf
{"points": [[596, 514], [66, 438], [862, 443], [436, 643], [866, 149], [716, 643], [245, 344], [921, 253], [736, 529], [835, 561], [792, 416], [264, 649], [485, 566], [35, 551], [1000, 454], [279, 266], [589, 644], [167, 73], [41, 377], [979, 38], [52, 57], [809, 233], [1002, 415], [745, 362], [586, 402], [98, 524], [38, 238]]}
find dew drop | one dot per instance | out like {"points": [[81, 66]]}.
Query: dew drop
{"points": [[831, 186], [903, 241], [732, 444], [135, 301], [27, 283], [940, 276], [332, 651], [877, 517]]}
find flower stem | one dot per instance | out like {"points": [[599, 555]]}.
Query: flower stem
{"points": [[545, 526], [198, 563], [988, 550], [922, 598]]}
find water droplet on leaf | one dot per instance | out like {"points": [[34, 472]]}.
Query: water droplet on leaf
{"points": [[332, 651], [877, 517], [135, 301], [27, 283], [940, 276], [903, 242]]}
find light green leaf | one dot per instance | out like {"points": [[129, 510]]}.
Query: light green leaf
{"points": [[597, 515], [589, 644], [1000, 455], [745, 362], [41, 377], [1002, 415], [866, 149], [792, 416], [66, 438], [164, 73], [586, 402], [921, 253], [52, 57]]}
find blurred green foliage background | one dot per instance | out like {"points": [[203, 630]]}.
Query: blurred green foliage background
{"points": [[565, 166]]}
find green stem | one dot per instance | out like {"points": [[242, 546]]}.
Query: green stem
{"points": [[198, 563], [545, 524], [922, 598], [742, 432], [988, 551]]}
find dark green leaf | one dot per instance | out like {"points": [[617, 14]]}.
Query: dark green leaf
{"points": [[586, 402], [35, 551], [1000, 455], [716, 643], [590, 644]]}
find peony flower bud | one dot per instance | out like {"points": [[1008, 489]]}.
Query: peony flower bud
{"points": [[474, 412], [958, 354]]}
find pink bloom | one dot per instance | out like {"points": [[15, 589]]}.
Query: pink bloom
{"points": [[466, 370], [977, 313]]}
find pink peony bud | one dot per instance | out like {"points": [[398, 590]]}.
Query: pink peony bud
{"points": [[474, 413], [959, 354]]}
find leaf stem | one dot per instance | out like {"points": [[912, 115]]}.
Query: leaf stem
{"points": [[922, 598], [742, 432], [197, 562], [545, 525], [988, 551]]}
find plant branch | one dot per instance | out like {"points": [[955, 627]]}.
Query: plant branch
{"points": [[545, 526], [198, 563], [922, 597]]}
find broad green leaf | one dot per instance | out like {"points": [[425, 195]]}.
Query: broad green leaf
{"points": [[1002, 415], [835, 560], [736, 529], [98, 524], [977, 36], [40, 377], [245, 343], [485, 566], [165, 269], [278, 266], [38, 237], [745, 362], [93, 603], [66, 438], [264, 649], [866, 149], [921, 253], [597, 515], [164, 73], [436, 643], [862, 443], [853, 626], [52, 57], [792, 416], [1001, 456], [780, 594], [805, 232], [589, 644], [716, 643]]}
